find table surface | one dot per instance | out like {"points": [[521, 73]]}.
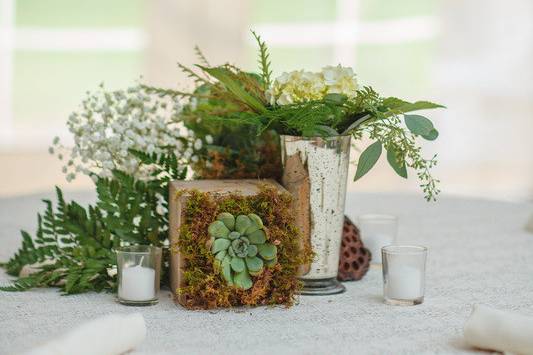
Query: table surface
{"points": [[479, 252]]}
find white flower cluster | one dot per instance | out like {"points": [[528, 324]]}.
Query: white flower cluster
{"points": [[112, 123], [301, 86]]}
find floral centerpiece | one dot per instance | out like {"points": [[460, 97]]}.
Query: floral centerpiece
{"points": [[233, 123]]}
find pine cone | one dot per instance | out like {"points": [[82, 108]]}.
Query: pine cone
{"points": [[355, 258]]}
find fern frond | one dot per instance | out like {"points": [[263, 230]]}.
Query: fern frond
{"points": [[193, 75], [201, 56], [22, 284], [166, 92], [264, 61]]}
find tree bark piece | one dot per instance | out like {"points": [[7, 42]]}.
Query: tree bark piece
{"points": [[296, 180]]}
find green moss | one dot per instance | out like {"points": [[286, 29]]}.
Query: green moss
{"points": [[204, 287]]}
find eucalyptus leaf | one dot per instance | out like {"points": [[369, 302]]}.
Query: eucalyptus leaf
{"points": [[392, 158], [395, 105], [419, 125], [368, 159], [433, 134]]}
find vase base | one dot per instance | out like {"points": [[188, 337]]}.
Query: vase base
{"points": [[399, 302], [138, 303], [321, 287]]}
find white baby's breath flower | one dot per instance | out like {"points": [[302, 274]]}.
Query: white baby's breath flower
{"points": [[198, 144], [111, 271], [209, 139], [136, 221], [160, 210], [113, 123]]}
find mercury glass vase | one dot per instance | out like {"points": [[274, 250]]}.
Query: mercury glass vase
{"points": [[315, 171]]}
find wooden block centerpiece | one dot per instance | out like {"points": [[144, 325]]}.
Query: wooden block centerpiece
{"points": [[233, 243]]}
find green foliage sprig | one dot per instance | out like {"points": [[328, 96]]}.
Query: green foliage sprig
{"points": [[264, 61], [238, 99], [73, 245]]}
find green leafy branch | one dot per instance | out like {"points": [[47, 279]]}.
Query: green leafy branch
{"points": [[72, 250], [402, 150], [73, 245]]}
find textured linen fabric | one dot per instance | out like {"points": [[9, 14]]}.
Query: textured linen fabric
{"points": [[479, 253]]}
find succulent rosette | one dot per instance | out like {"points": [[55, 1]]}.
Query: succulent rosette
{"points": [[240, 248]]}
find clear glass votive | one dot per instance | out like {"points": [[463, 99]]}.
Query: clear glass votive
{"points": [[377, 231], [139, 271], [404, 273]]}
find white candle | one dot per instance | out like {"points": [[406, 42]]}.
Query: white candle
{"points": [[137, 284], [374, 243], [404, 282]]}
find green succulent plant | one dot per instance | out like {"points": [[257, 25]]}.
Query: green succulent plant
{"points": [[240, 248]]}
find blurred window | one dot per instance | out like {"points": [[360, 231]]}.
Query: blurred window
{"points": [[53, 51], [390, 43]]}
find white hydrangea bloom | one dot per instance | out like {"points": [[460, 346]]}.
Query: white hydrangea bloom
{"points": [[301, 86], [111, 123], [340, 80]]}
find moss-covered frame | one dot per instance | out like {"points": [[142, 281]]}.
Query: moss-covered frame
{"points": [[202, 286]]}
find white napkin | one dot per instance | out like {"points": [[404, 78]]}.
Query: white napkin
{"points": [[109, 335], [492, 329]]}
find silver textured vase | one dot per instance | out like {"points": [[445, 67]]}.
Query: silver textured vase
{"points": [[315, 171]]}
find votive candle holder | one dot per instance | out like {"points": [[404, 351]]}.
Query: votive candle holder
{"points": [[377, 231], [139, 273], [404, 269]]}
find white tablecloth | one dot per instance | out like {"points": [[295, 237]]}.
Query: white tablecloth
{"points": [[479, 252]]}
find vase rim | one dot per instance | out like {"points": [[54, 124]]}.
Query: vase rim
{"points": [[315, 137], [138, 249]]}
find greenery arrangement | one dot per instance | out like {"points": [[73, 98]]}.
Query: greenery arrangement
{"points": [[207, 230], [303, 103], [73, 245], [133, 142]]}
